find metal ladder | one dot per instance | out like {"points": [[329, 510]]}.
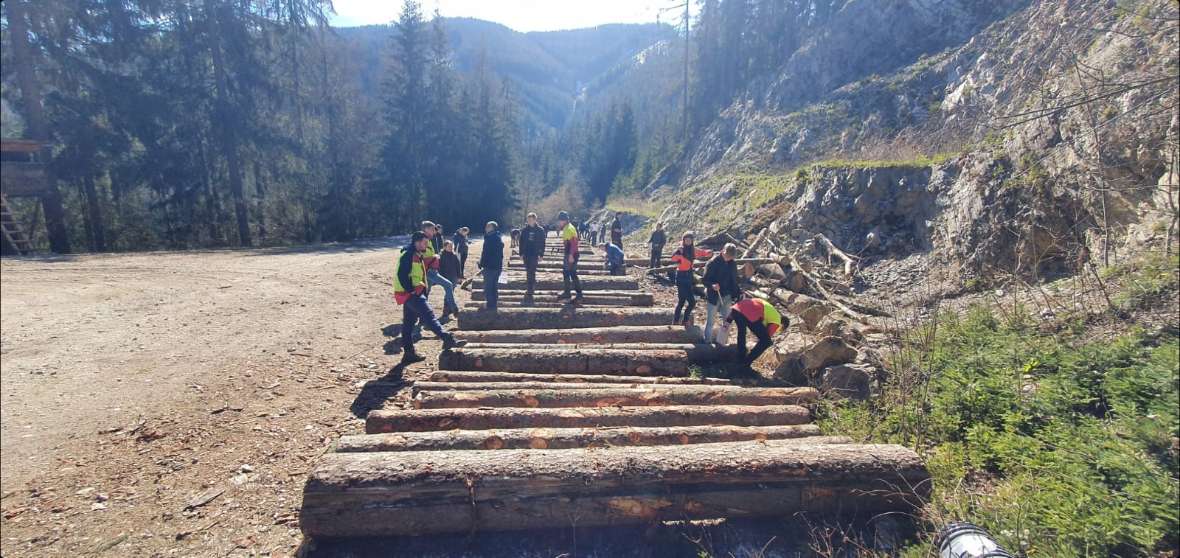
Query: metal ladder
{"points": [[13, 234]]}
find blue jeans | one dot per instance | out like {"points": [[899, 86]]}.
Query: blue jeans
{"points": [[491, 287], [719, 310], [434, 278], [415, 310]]}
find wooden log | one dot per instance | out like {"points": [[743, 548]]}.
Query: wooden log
{"points": [[551, 265], [611, 302], [496, 377], [482, 419], [566, 317], [572, 361], [615, 397], [636, 298], [354, 494], [834, 252], [549, 281], [695, 352], [524, 384], [699, 264], [588, 335], [566, 438]]}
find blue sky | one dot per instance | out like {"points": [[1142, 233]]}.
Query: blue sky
{"points": [[521, 15]]}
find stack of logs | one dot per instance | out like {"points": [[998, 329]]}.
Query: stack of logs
{"points": [[555, 415]]}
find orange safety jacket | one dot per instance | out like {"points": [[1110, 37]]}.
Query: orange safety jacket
{"points": [[684, 261], [756, 309]]}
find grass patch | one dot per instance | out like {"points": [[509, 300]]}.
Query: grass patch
{"points": [[636, 205], [1145, 281], [1058, 447], [915, 162]]}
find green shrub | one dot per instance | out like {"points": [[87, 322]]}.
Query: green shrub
{"points": [[1059, 447]]}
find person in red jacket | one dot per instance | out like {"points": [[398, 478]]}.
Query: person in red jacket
{"points": [[758, 316], [683, 258]]}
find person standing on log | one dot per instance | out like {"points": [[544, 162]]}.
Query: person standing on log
{"points": [[409, 290], [683, 258], [569, 265], [491, 262], [437, 238], [532, 249], [657, 241], [433, 277], [449, 262], [462, 247], [721, 289], [614, 259], [616, 232], [757, 315]]}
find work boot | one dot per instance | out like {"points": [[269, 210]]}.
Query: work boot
{"points": [[578, 300], [410, 356], [451, 343], [563, 296]]}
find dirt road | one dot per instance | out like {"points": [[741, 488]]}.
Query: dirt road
{"points": [[169, 403]]}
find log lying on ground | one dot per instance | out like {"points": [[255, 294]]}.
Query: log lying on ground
{"points": [[568, 360], [535, 303], [586, 335], [566, 317], [566, 438], [483, 419], [699, 264], [552, 281], [595, 270], [522, 384], [498, 377], [555, 264], [694, 352], [635, 298], [352, 494], [615, 397]]}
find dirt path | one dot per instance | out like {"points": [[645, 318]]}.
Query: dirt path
{"points": [[135, 384]]}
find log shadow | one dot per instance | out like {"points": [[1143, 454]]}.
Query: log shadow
{"points": [[377, 392]]}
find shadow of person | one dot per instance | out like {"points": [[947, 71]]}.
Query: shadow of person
{"points": [[376, 392]]}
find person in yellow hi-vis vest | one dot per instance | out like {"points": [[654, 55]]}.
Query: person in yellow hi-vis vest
{"points": [[758, 316], [409, 290], [569, 263]]}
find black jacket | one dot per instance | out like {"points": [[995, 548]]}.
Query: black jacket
{"points": [[532, 242], [658, 238], [460, 244], [448, 266], [492, 256], [718, 271]]}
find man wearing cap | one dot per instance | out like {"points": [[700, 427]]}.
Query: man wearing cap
{"points": [[757, 315], [569, 265], [409, 290]]}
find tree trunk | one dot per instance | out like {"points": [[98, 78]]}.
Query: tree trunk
{"points": [[552, 282], [589, 335], [567, 438], [569, 317], [426, 492], [98, 242], [26, 61], [524, 377], [632, 298], [574, 361], [615, 397], [482, 419], [230, 145]]}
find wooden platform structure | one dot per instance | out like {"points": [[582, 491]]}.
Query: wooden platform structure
{"points": [[586, 417], [22, 174]]}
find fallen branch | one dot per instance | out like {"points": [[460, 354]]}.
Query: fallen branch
{"points": [[849, 260]]}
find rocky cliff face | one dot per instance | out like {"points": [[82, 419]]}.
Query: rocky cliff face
{"points": [[980, 136]]}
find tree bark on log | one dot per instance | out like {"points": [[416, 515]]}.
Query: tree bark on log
{"points": [[697, 265], [482, 419], [695, 352], [524, 384], [495, 377], [427, 492], [571, 317], [615, 397], [589, 335], [560, 360], [549, 281], [849, 260], [566, 438], [596, 301], [516, 264], [634, 298]]}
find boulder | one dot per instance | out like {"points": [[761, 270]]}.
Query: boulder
{"points": [[796, 365], [847, 380]]}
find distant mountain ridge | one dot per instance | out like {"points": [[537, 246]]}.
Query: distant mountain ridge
{"points": [[550, 69]]}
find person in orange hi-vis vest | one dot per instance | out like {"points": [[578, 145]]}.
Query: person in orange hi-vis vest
{"points": [[683, 258], [758, 316]]}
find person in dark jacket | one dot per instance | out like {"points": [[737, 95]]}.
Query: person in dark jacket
{"points": [[409, 290], [616, 232], [657, 241], [721, 290], [448, 265], [461, 248], [491, 263], [532, 249], [436, 240]]}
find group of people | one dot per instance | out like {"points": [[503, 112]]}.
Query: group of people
{"points": [[428, 261]]}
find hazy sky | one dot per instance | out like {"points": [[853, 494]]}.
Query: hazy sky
{"points": [[521, 15]]}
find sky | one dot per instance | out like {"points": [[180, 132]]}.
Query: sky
{"points": [[521, 15]]}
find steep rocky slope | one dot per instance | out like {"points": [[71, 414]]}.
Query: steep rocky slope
{"points": [[981, 141]]}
